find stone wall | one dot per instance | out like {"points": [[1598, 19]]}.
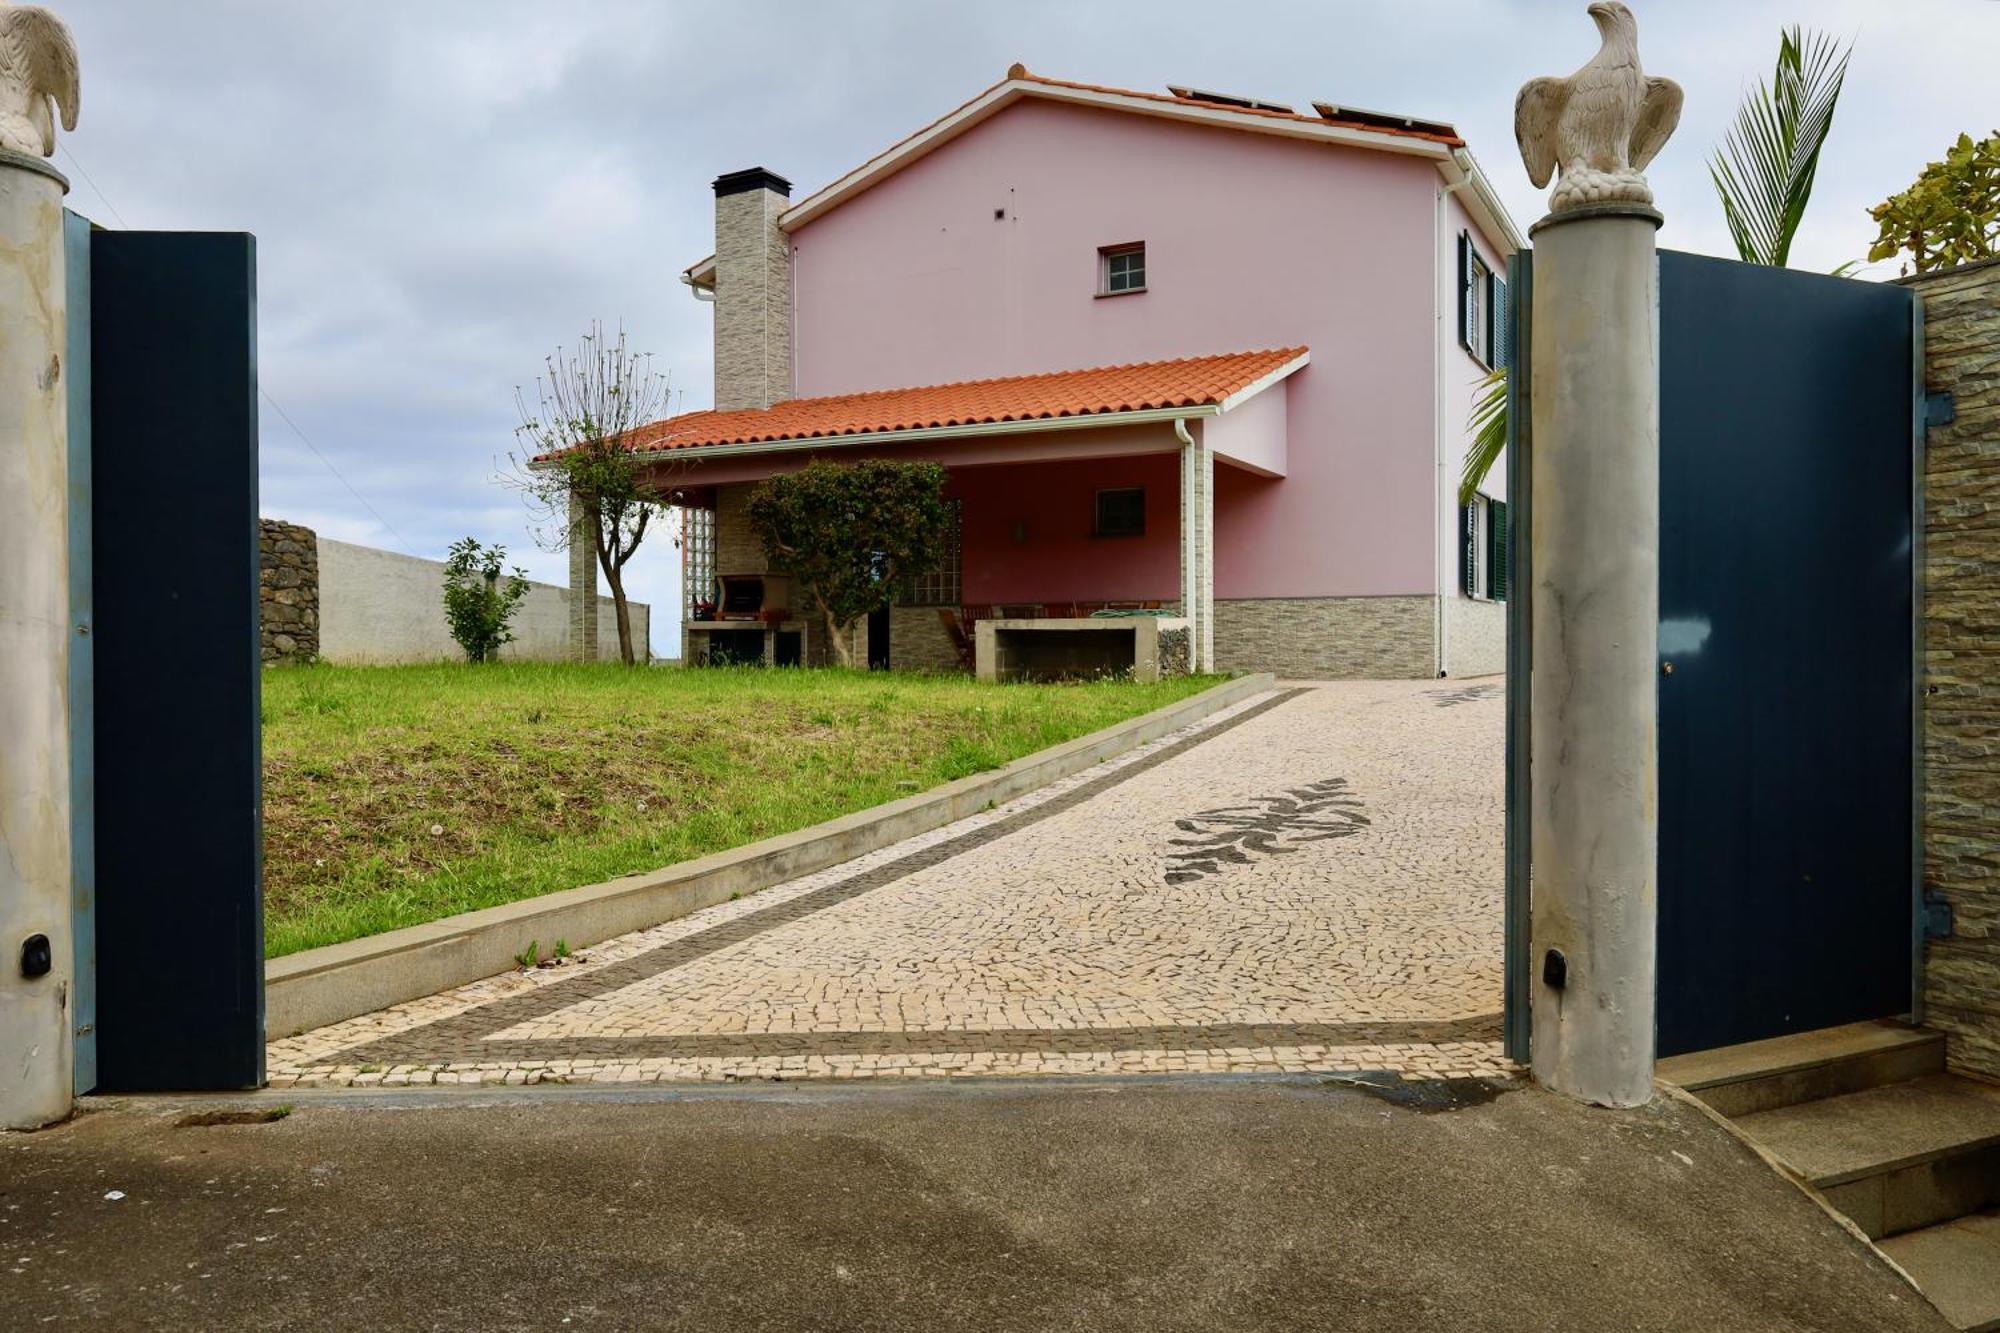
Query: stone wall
{"points": [[737, 549], [1962, 662], [1329, 638], [288, 572], [918, 641]]}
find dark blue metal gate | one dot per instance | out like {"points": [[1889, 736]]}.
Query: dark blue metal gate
{"points": [[173, 528], [1789, 448]]}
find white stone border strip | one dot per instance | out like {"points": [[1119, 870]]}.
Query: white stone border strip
{"points": [[316, 987]]}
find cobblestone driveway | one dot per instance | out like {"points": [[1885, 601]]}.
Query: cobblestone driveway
{"points": [[1308, 881]]}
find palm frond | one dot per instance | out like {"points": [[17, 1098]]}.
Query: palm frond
{"points": [[1489, 433], [1764, 170]]}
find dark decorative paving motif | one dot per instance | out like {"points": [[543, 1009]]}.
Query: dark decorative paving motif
{"points": [[1271, 826], [462, 1036], [1466, 694]]}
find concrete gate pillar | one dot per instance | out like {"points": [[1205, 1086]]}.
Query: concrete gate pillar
{"points": [[1594, 484], [36, 957]]}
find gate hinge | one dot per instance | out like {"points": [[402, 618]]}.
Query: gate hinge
{"points": [[1939, 409], [1937, 918]]}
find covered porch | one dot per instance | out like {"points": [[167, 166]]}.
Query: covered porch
{"points": [[1062, 515]]}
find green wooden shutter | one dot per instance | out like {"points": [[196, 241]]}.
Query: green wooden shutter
{"points": [[1468, 549], [1496, 555], [1503, 340]]}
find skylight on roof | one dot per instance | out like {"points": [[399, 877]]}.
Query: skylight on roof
{"points": [[1228, 99]]}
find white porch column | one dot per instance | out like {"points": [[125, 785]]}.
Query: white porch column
{"points": [[1197, 546], [36, 963], [582, 585], [1594, 481]]}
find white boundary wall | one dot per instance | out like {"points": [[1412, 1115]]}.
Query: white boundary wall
{"points": [[378, 606]]}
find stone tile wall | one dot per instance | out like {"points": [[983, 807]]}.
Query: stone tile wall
{"points": [[1962, 662], [1329, 638], [288, 577], [753, 301]]}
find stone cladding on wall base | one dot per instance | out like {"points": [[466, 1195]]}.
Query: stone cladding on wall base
{"points": [[1328, 638], [1962, 663], [288, 578]]}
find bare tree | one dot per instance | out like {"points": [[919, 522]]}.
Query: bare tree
{"points": [[575, 466]]}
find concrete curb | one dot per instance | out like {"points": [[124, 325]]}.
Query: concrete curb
{"points": [[319, 986]]}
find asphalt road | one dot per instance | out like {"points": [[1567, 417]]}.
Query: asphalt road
{"points": [[1152, 1204]]}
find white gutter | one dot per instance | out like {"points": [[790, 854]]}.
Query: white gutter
{"points": [[1460, 169], [701, 291]]}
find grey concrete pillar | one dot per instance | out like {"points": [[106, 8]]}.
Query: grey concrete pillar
{"points": [[1596, 504], [582, 585], [35, 1038]]}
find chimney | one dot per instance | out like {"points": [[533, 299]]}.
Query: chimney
{"points": [[753, 291]]}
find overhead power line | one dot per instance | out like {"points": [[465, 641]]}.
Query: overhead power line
{"points": [[277, 407]]}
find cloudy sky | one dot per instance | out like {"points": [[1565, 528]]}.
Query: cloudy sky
{"points": [[442, 192]]}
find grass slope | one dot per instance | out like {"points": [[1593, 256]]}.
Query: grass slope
{"points": [[398, 795]]}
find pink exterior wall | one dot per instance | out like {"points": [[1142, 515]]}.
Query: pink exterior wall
{"points": [[1251, 242], [1027, 532]]}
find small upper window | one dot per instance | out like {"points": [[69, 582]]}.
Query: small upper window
{"points": [[1121, 269], [1121, 513]]}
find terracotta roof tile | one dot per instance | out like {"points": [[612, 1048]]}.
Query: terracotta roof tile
{"points": [[1195, 381]]}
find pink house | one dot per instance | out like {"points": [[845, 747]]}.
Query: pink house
{"points": [[1185, 350]]}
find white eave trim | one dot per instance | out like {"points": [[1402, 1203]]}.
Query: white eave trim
{"points": [[1009, 91]]}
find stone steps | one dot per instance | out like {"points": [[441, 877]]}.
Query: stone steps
{"points": [[1866, 1115], [1957, 1264]]}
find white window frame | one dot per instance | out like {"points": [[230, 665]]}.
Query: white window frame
{"points": [[1478, 297], [1106, 254]]}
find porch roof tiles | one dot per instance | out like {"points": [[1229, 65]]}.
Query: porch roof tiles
{"points": [[1188, 382]]}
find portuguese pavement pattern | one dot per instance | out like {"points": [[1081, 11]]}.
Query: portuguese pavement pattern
{"points": [[1309, 881]]}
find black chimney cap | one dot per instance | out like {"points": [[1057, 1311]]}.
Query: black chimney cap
{"points": [[756, 178]]}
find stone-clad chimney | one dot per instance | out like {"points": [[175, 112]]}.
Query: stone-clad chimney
{"points": [[753, 291]]}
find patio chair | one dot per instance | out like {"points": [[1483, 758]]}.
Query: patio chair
{"points": [[960, 635]]}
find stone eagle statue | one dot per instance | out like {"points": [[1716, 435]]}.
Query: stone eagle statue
{"points": [[37, 66], [1600, 126]]}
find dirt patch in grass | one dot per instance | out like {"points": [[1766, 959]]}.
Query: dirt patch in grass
{"points": [[396, 795]]}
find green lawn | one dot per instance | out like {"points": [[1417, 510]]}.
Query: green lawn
{"points": [[397, 795]]}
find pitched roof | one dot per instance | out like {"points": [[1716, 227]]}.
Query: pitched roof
{"points": [[1334, 124], [1199, 384], [1407, 128]]}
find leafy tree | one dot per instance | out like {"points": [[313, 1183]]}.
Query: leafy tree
{"points": [[1951, 215], [580, 478], [1764, 170], [477, 602], [852, 534]]}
